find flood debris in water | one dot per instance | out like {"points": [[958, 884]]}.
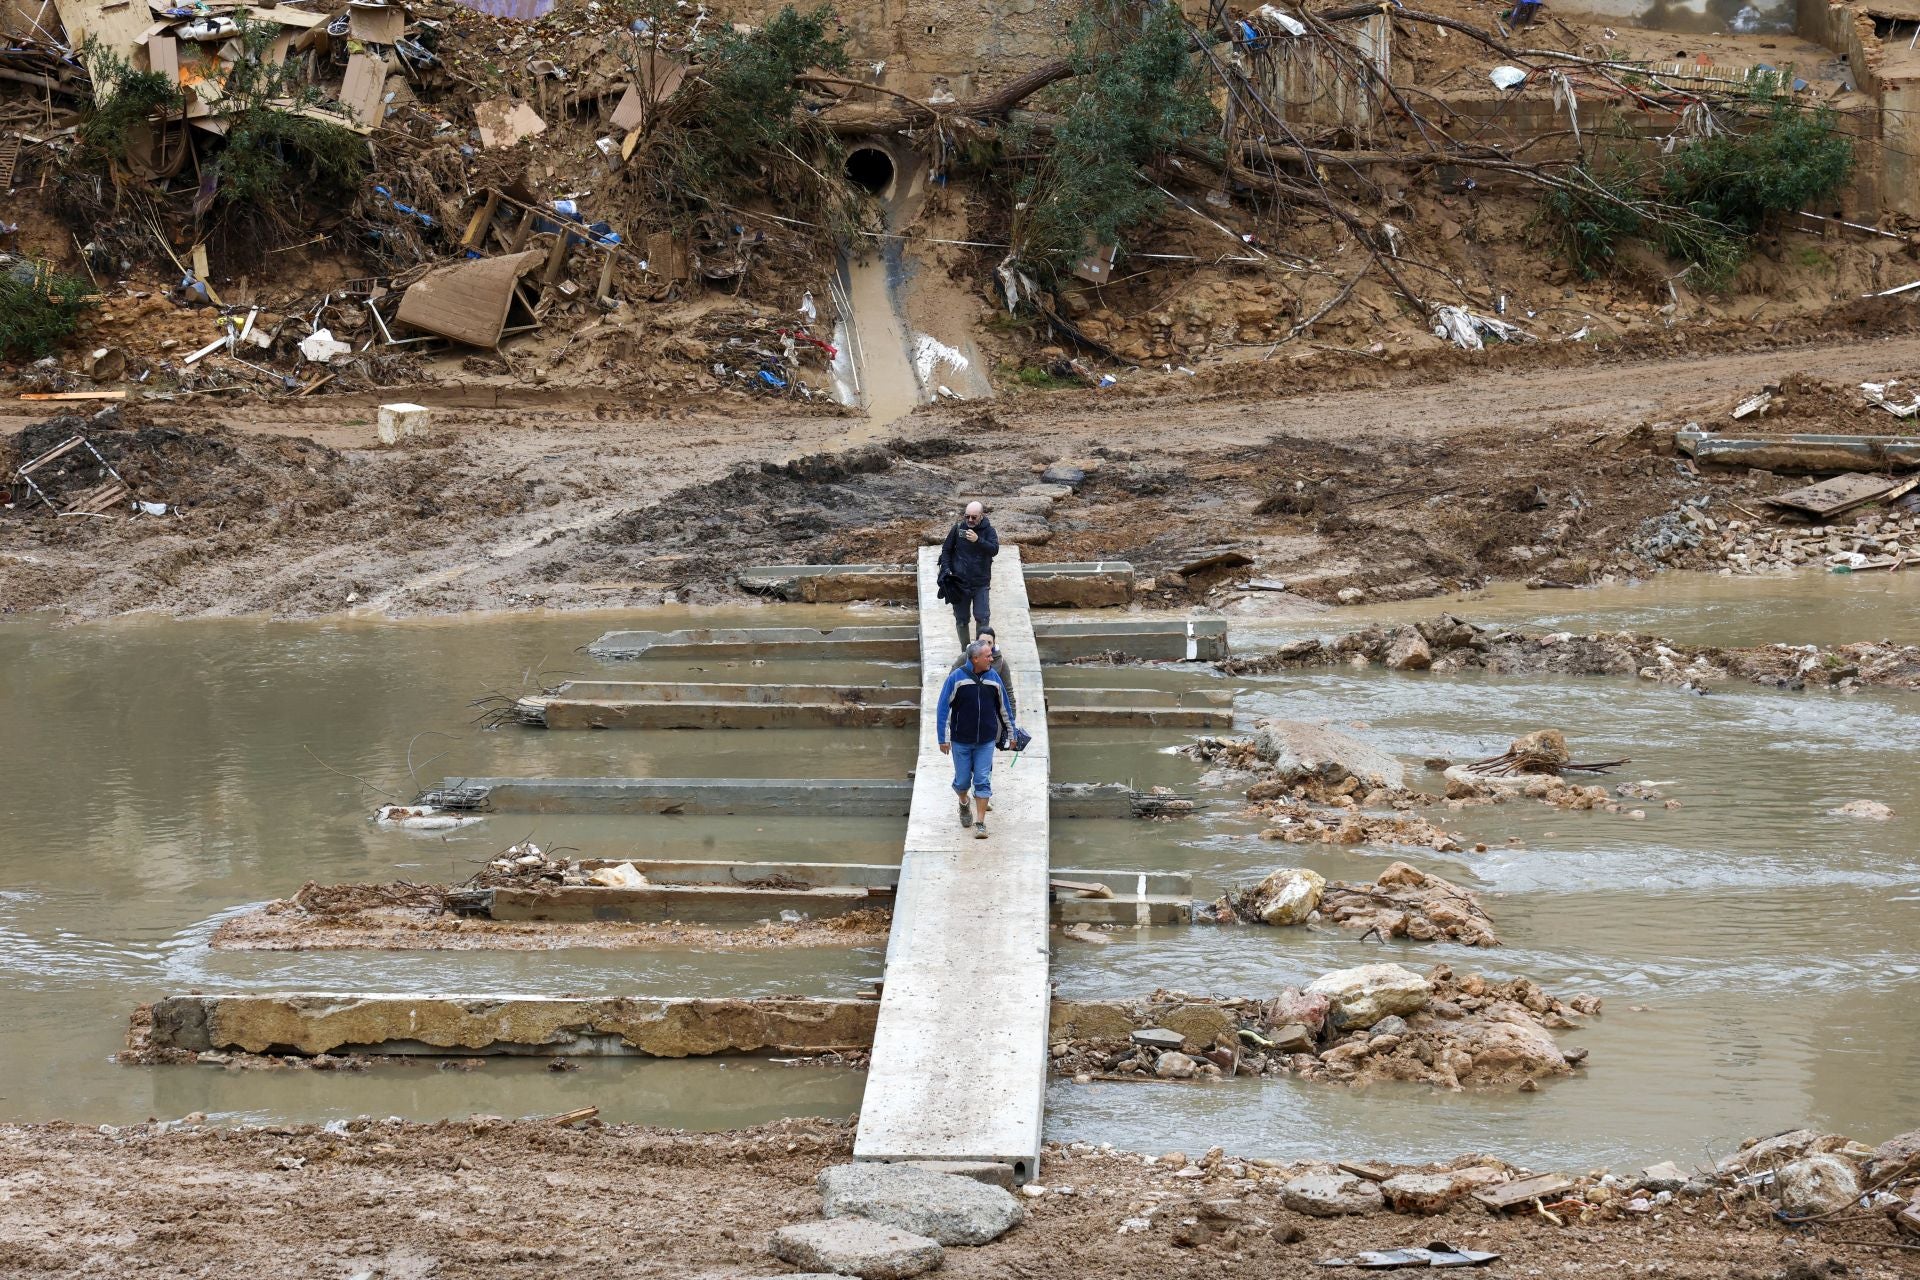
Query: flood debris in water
{"points": [[1457, 645], [1404, 902], [1354, 1027]]}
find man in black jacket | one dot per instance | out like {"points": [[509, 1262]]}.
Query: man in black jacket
{"points": [[966, 568]]}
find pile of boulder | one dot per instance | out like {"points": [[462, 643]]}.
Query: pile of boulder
{"points": [[1353, 1026], [1308, 762], [1404, 902]]}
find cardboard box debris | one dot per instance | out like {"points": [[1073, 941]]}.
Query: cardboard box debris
{"points": [[364, 87], [504, 122], [467, 302], [375, 23], [657, 79]]}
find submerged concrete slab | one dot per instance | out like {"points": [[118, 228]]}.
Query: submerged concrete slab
{"points": [[790, 797], [695, 903], [960, 1050], [1153, 640], [308, 1023], [632, 704], [1078, 585]]}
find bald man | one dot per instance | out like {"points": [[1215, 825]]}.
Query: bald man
{"points": [[966, 569]]}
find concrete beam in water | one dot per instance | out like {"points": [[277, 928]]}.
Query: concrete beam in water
{"points": [[1081, 585], [787, 797], [720, 893], [304, 1024], [615, 704], [1199, 640], [311, 1023]]}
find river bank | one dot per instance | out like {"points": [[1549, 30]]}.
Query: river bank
{"points": [[1544, 467], [485, 1197]]}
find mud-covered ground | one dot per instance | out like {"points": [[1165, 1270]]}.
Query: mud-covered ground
{"points": [[1536, 464], [487, 1198]]}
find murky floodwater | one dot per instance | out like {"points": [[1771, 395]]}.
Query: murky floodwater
{"points": [[160, 775]]}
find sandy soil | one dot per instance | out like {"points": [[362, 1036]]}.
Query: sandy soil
{"points": [[1403, 481], [486, 1198]]}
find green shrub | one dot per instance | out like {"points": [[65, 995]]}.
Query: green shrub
{"points": [[275, 157], [39, 307], [1137, 94], [123, 101]]}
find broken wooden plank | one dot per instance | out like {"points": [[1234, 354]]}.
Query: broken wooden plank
{"points": [[74, 395], [1509, 1194], [1363, 1169]]}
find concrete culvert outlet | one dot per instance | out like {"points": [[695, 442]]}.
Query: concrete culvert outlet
{"points": [[871, 169]]}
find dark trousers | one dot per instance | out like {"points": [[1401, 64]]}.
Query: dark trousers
{"points": [[974, 598]]}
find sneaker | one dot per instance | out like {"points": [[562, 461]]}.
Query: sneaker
{"points": [[979, 831], [966, 813]]}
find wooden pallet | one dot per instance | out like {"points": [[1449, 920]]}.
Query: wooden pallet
{"points": [[9, 156]]}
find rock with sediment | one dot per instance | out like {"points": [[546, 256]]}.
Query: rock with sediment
{"points": [[943, 1207], [1407, 651], [856, 1247], [1359, 997], [1326, 1193], [1309, 753], [1287, 896], [1870, 809], [1820, 1184]]}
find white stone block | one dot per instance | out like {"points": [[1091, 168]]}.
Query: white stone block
{"points": [[401, 420]]}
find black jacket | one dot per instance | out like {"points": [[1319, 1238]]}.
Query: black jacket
{"points": [[970, 562]]}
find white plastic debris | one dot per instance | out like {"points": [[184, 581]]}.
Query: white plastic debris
{"points": [[1463, 328], [624, 876], [807, 309], [420, 817], [152, 508], [1504, 77], [320, 347], [1293, 25], [1886, 395]]}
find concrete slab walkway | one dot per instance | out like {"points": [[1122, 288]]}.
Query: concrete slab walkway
{"points": [[960, 1049]]}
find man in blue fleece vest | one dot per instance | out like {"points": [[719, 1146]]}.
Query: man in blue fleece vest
{"points": [[972, 717]]}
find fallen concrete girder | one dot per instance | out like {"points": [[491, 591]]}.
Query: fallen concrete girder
{"points": [[1161, 640], [790, 797], [311, 1023], [1803, 452], [1082, 585], [615, 704], [305, 1024]]}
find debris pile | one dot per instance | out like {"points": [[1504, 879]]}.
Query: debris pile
{"points": [[1353, 1026], [1404, 902], [1457, 645]]}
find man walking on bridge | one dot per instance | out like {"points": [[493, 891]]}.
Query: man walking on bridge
{"points": [[966, 568], [999, 668], [973, 716]]}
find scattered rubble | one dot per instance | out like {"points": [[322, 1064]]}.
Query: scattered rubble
{"points": [[1354, 1027], [1403, 903], [1463, 646]]}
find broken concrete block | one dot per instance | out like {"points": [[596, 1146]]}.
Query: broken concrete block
{"points": [[1427, 1193], [991, 1172], [401, 420], [1324, 1193], [856, 1247], [1299, 752], [939, 1206], [1361, 996]]}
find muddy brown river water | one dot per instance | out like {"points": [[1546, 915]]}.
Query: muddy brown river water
{"points": [[1760, 960]]}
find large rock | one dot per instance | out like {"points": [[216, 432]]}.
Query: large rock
{"points": [[1361, 996], [1302, 752], [940, 1206], [1286, 896], [1897, 1153], [1325, 1193], [856, 1247], [1407, 651], [1295, 1007], [1816, 1185]]}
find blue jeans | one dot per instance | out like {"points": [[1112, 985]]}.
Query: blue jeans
{"points": [[973, 764]]}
